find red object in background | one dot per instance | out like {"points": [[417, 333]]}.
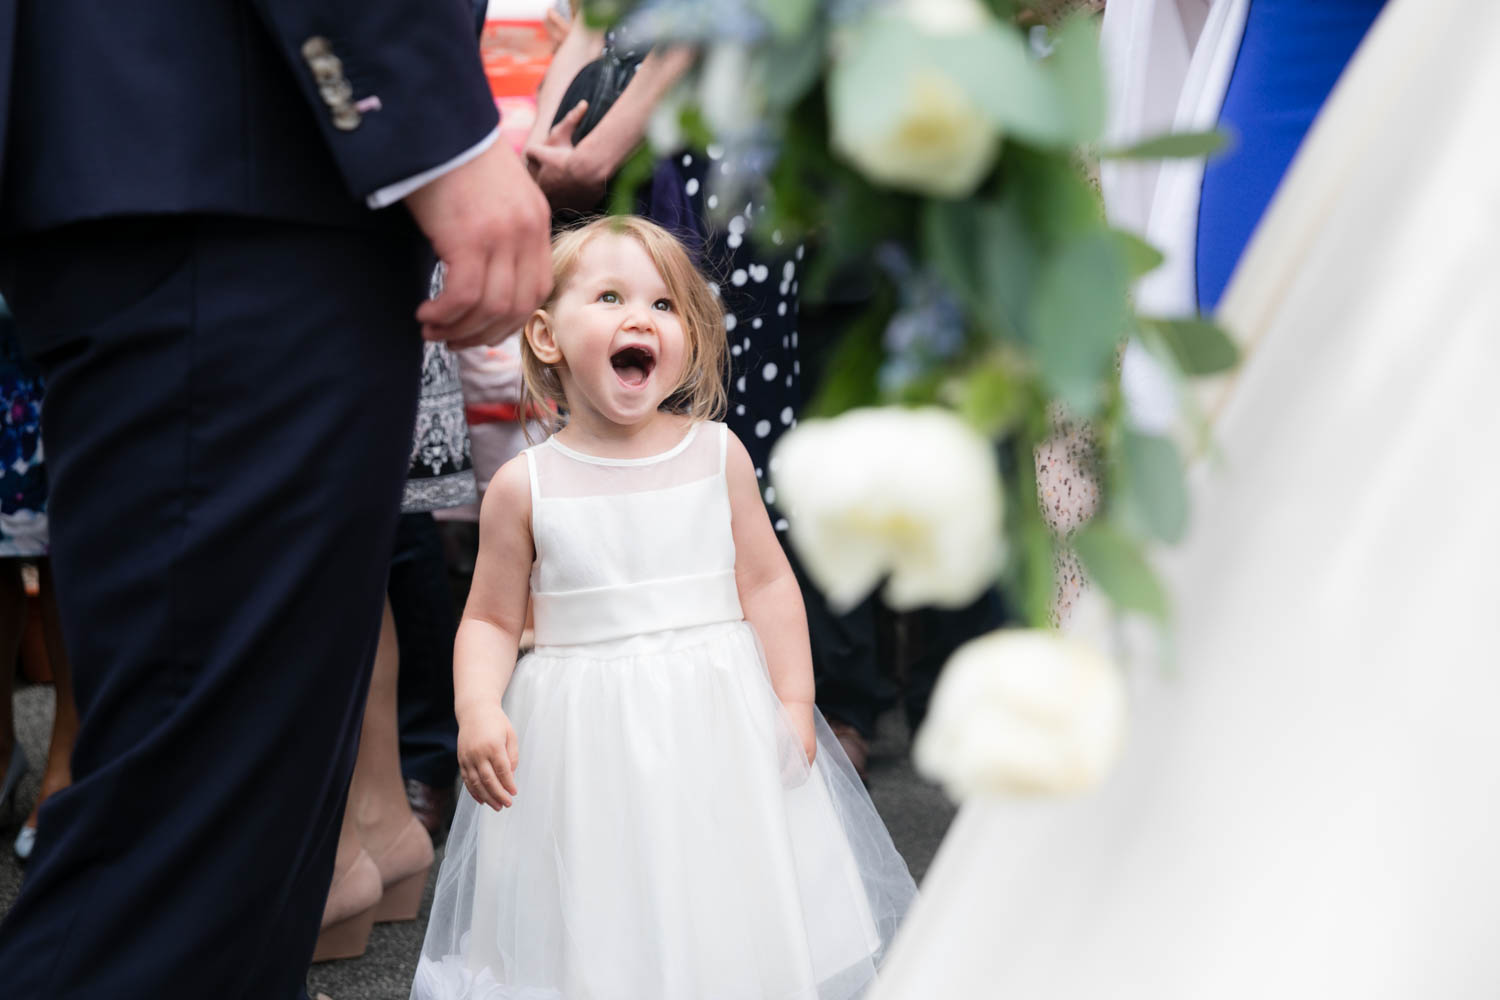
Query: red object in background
{"points": [[516, 56], [498, 413]]}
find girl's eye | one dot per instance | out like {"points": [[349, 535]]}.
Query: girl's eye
{"points": [[665, 305], [611, 297]]}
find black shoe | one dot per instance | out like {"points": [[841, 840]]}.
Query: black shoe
{"points": [[856, 748], [433, 806]]}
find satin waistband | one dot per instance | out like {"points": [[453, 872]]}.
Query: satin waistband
{"points": [[584, 616]]}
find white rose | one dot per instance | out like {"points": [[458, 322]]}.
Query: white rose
{"points": [[913, 495], [1022, 713], [902, 97], [934, 140], [944, 17]]}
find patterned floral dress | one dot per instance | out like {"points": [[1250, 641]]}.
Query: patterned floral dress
{"points": [[23, 476], [442, 470]]}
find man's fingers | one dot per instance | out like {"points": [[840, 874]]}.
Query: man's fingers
{"points": [[482, 219], [561, 134], [496, 310], [518, 280], [463, 288]]}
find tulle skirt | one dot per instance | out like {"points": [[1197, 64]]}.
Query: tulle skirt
{"points": [[669, 841]]}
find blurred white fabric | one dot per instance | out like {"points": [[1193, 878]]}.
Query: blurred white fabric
{"points": [[1309, 804], [1168, 65]]}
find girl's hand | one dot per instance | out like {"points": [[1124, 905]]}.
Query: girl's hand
{"points": [[488, 754], [802, 724]]}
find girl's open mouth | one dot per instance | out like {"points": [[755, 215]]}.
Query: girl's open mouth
{"points": [[633, 365]]}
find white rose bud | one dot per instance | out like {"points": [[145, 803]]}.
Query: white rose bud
{"points": [[944, 17], [1022, 713], [934, 141], [912, 495], [897, 111]]}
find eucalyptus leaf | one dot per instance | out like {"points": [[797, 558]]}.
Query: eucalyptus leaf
{"points": [[1038, 572], [983, 250], [1154, 484], [694, 128], [1079, 317], [1055, 200], [1055, 102], [788, 17], [627, 181], [601, 14], [990, 398], [1199, 346], [1116, 564], [1078, 77], [1180, 145], [788, 70], [999, 73], [1141, 258]]}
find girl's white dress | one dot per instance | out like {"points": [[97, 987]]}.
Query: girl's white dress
{"points": [[669, 840]]}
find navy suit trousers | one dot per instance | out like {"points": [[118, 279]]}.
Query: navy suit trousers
{"points": [[227, 425]]}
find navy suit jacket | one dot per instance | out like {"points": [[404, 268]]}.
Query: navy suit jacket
{"points": [[213, 106]]}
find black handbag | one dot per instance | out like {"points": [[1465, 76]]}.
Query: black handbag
{"points": [[600, 82]]}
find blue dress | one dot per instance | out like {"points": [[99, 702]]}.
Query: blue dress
{"points": [[1290, 57]]}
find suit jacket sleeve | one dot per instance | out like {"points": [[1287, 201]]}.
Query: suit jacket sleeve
{"points": [[396, 86], [8, 16]]}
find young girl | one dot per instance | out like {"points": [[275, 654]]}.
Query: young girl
{"points": [[656, 810]]}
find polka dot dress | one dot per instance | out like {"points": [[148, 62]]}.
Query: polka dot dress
{"points": [[759, 287], [1068, 488]]}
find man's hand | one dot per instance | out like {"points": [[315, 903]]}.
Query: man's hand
{"points": [[488, 755], [567, 177], [490, 224]]}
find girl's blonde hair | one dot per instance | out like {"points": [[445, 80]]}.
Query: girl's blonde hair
{"points": [[700, 393]]}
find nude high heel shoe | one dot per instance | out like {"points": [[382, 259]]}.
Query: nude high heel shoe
{"points": [[350, 911], [403, 872]]}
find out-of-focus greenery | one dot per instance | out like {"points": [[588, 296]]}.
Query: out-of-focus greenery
{"points": [[1000, 296]]}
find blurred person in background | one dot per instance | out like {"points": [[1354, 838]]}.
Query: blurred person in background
{"points": [[23, 539]]}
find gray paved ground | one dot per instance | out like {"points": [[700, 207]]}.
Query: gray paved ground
{"points": [[916, 813]]}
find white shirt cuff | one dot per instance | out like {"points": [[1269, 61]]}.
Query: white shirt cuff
{"points": [[392, 193]]}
